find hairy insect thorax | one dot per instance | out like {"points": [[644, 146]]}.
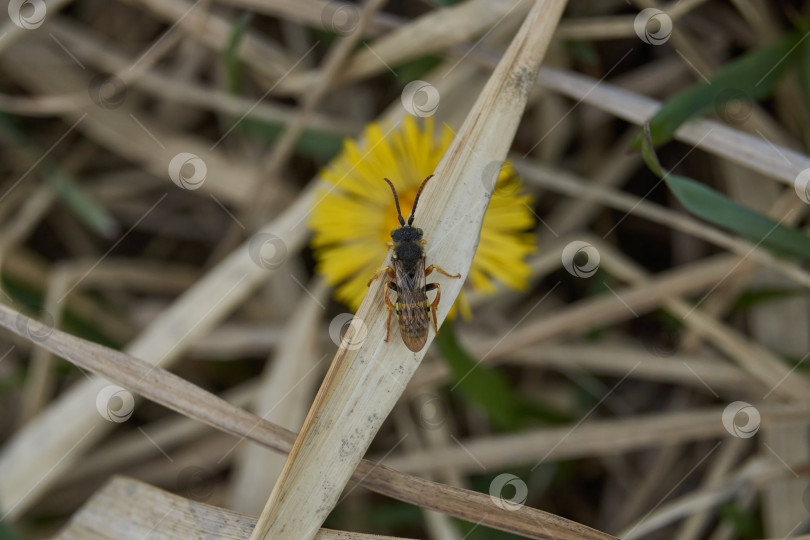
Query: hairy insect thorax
{"points": [[408, 247]]}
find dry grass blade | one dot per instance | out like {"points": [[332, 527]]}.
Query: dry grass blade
{"points": [[285, 146], [11, 32], [760, 363], [140, 139], [590, 312], [569, 184], [368, 375], [771, 160], [311, 12], [609, 359], [285, 391], [151, 512], [132, 448], [63, 281], [214, 31], [171, 391], [90, 48], [432, 33], [756, 471], [629, 357], [595, 438], [71, 422]]}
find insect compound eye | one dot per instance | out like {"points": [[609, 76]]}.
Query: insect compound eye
{"points": [[419, 231]]}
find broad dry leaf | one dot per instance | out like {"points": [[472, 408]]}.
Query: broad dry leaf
{"points": [[179, 395], [368, 375], [126, 509]]}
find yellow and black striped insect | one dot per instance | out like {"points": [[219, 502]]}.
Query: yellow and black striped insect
{"points": [[407, 279]]}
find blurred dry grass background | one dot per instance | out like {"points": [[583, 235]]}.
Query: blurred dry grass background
{"points": [[651, 383]]}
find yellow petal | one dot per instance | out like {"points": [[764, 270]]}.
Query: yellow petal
{"points": [[353, 218]]}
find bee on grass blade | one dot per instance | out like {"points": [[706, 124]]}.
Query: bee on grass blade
{"points": [[407, 279]]}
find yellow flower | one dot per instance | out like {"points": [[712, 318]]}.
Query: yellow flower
{"points": [[353, 217]]}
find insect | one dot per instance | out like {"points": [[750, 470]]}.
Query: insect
{"points": [[407, 279]]}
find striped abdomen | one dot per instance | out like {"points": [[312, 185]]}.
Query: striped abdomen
{"points": [[413, 314]]}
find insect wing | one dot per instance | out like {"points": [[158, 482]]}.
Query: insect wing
{"points": [[413, 310]]}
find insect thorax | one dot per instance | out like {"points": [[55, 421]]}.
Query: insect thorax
{"points": [[409, 254]]}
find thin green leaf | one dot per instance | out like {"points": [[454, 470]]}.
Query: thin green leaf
{"points": [[417, 68], [751, 77], [487, 388], [233, 66], [12, 381], [584, 51], [716, 208], [483, 482], [757, 297], [6, 532], [804, 67], [78, 201], [20, 293], [313, 144], [446, 3], [479, 383], [91, 213], [746, 524]]}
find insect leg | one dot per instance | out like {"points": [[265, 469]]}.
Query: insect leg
{"points": [[388, 269], [389, 307], [435, 303], [441, 270]]}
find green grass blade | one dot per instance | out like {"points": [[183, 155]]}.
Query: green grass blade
{"points": [[480, 384], [753, 76], [233, 67], [487, 388], [716, 208], [756, 297], [804, 71], [312, 144], [83, 206], [6, 532]]}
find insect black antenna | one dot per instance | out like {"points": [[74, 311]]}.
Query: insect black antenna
{"points": [[396, 201], [416, 200]]}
